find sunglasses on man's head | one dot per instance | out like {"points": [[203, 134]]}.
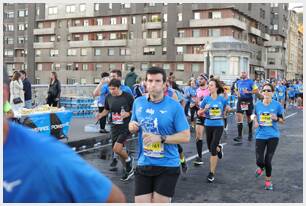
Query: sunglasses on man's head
{"points": [[266, 90]]}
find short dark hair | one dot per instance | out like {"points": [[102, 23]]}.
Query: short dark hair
{"points": [[114, 83], [23, 72], [219, 85], [117, 71], [132, 69], [157, 70], [104, 74], [268, 84]]}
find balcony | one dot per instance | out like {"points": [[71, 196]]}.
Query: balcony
{"points": [[255, 31], [152, 25], [192, 40], [44, 31], [154, 42], [193, 57], [266, 37], [19, 59], [274, 44], [98, 28], [43, 45], [101, 43], [218, 22]]}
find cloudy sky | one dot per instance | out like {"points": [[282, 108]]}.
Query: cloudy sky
{"points": [[292, 5]]}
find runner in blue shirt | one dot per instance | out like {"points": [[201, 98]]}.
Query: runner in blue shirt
{"points": [[214, 107], [291, 94], [39, 169], [161, 125], [268, 113], [299, 94], [280, 91]]}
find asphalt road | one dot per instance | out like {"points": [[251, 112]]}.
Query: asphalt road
{"points": [[235, 178]]}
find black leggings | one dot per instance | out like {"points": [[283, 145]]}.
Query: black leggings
{"points": [[264, 160], [193, 111], [213, 136], [103, 119]]}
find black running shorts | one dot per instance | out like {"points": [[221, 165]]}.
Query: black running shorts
{"points": [[245, 105]]}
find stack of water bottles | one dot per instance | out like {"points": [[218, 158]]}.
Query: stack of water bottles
{"points": [[81, 107]]}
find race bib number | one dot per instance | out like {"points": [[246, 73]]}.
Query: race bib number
{"points": [[116, 118], [215, 113], [301, 89], [244, 106], [265, 120], [154, 150]]}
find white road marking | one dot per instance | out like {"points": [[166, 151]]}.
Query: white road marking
{"points": [[290, 115], [204, 152]]}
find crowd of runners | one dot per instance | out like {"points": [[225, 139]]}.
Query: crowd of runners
{"points": [[163, 114]]}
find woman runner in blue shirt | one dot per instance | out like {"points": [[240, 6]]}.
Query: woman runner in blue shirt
{"points": [[214, 107], [268, 113]]}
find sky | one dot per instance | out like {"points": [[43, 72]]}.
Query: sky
{"points": [[292, 5]]}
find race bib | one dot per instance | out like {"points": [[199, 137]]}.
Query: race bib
{"points": [[154, 150], [301, 89], [215, 113], [280, 93], [265, 120], [244, 106], [117, 118]]}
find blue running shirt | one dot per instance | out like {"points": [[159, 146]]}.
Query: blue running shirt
{"points": [[164, 118], [280, 91], [247, 84], [267, 128], [39, 168]]}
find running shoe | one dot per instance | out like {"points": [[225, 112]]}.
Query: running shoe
{"points": [[259, 172], [238, 139], [210, 177], [103, 131], [127, 175], [184, 166], [220, 154], [268, 185], [114, 163], [129, 165], [198, 161]]}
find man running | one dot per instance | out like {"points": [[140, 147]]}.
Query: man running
{"points": [[245, 88], [161, 125], [119, 104]]}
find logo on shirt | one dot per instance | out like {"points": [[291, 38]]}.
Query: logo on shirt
{"points": [[9, 186], [162, 111], [139, 110], [150, 111]]}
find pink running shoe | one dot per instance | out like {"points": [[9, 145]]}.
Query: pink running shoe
{"points": [[259, 172], [268, 185]]}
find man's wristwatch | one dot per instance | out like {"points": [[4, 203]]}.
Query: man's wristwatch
{"points": [[163, 138]]}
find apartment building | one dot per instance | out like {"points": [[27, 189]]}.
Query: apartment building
{"points": [[300, 52], [277, 46], [79, 40], [18, 25]]}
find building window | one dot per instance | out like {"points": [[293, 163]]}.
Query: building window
{"points": [[83, 52], [21, 27], [100, 22], [9, 40], [164, 34], [86, 22], [126, 6], [220, 65], [144, 35], [39, 67], [197, 15], [52, 10], [165, 17], [179, 17], [10, 14], [195, 33], [22, 13], [124, 51], [70, 9], [97, 52], [53, 52], [234, 66], [98, 67], [85, 67], [111, 52], [8, 52], [275, 27], [164, 50], [37, 53], [82, 7], [71, 52], [133, 19], [113, 36], [214, 15], [179, 50], [52, 38], [96, 7], [37, 11], [154, 35], [110, 6], [70, 81], [273, 50], [113, 20], [181, 33], [148, 51], [55, 67], [180, 67], [131, 35], [144, 66], [99, 36], [271, 61], [166, 66], [124, 20], [37, 80], [195, 67], [83, 80], [214, 32], [274, 5]]}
